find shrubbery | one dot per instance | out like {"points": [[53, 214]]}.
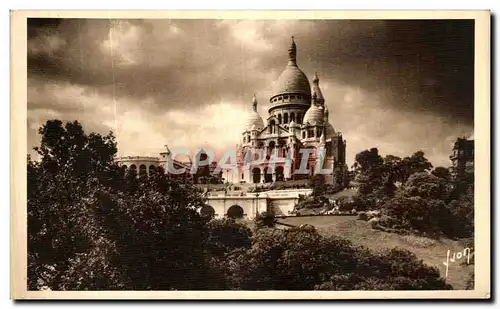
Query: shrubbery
{"points": [[302, 259], [93, 227], [415, 196]]}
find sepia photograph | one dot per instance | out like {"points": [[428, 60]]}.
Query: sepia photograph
{"points": [[251, 155]]}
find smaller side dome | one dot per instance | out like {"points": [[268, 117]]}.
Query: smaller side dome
{"points": [[314, 114], [254, 119], [330, 131], [292, 124]]}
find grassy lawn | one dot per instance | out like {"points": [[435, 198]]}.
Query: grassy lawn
{"points": [[433, 252]]}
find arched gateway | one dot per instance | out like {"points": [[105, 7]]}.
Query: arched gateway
{"points": [[207, 211], [235, 212]]}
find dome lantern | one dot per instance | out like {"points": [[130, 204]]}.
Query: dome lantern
{"points": [[254, 121], [292, 81], [317, 90], [292, 53], [254, 103]]}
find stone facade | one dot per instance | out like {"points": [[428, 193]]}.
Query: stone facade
{"points": [[240, 205], [297, 119], [462, 157]]}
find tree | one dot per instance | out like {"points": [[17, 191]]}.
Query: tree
{"points": [[441, 172], [416, 163], [367, 160], [92, 227], [379, 177], [420, 204], [71, 166]]}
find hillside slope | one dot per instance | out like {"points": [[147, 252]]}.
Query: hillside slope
{"points": [[433, 252]]}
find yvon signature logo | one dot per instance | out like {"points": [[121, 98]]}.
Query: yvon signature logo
{"points": [[467, 252]]}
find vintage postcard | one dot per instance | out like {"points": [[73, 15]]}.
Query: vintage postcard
{"points": [[250, 154]]}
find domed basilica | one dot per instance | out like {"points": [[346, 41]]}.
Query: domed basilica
{"points": [[297, 119]]}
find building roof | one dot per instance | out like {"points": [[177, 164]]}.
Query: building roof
{"points": [[254, 121], [317, 90], [314, 114], [292, 79], [330, 131]]}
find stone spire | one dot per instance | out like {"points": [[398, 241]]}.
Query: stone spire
{"points": [[322, 139], [316, 79], [254, 103], [314, 98], [292, 53], [254, 117], [317, 90]]}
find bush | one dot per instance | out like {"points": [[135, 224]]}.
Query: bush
{"points": [[265, 219], [302, 259], [346, 205], [225, 235], [362, 216], [374, 222], [387, 221], [312, 202]]}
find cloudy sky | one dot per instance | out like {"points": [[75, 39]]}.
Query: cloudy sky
{"points": [[401, 86]]}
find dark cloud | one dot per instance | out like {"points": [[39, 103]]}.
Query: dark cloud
{"points": [[405, 67]]}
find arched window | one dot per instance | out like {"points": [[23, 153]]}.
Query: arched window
{"points": [[268, 175], [285, 118], [303, 134], [279, 118], [271, 126], [152, 169], [272, 145], [280, 175], [256, 175], [299, 118], [143, 170], [292, 117]]}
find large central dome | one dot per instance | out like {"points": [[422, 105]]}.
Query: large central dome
{"points": [[292, 79]]}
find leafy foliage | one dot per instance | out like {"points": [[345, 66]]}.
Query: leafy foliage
{"points": [[94, 226], [302, 259], [413, 193], [265, 219]]}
